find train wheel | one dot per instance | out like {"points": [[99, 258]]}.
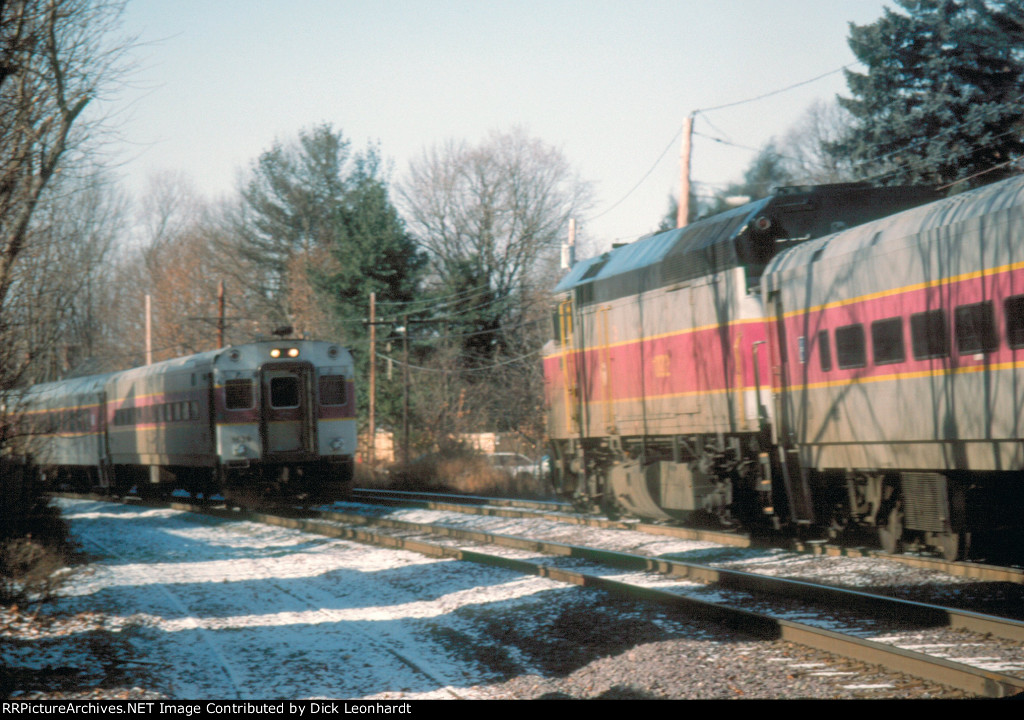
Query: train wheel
{"points": [[953, 546], [890, 535]]}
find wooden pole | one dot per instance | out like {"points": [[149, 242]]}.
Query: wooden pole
{"points": [[149, 330], [405, 383], [682, 218], [372, 455], [220, 314]]}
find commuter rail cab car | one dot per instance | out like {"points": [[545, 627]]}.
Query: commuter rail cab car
{"points": [[273, 417]]}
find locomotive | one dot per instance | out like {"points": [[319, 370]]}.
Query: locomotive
{"points": [[827, 359], [266, 418]]}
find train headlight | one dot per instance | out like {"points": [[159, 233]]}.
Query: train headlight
{"points": [[275, 353], [293, 352]]}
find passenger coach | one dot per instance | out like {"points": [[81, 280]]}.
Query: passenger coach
{"points": [[266, 417]]}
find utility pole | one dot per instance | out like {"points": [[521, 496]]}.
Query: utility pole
{"points": [[372, 456], [569, 248], [405, 383], [149, 330], [220, 314], [683, 215]]}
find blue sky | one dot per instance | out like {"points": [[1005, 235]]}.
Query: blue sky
{"points": [[606, 81]]}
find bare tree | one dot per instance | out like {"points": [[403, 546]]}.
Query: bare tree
{"points": [[806, 145], [491, 219], [55, 59], [496, 210], [55, 307], [177, 258]]}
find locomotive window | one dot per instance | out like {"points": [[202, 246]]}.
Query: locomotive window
{"points": [[332, 390], [887, 341], [1015, 321], [824, 351], [975, 328], [850, 346], [929, 334], [284, 392], [238, 394]]}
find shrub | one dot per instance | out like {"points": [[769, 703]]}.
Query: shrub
{"points": [[35, 541], [464, 471]]}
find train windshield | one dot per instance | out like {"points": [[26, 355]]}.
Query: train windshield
{"points": [[284, 392]]}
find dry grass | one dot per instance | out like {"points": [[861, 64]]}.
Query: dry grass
{"points": [[457, 471], [35, 543], [30, 572]]}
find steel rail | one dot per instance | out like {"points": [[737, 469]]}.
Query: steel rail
{"points": [[476, 505], [919, 614], [971, 570], [975, 680]]}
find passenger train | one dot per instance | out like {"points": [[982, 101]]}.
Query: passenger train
{"points": [[828, 358], [265, 418]]}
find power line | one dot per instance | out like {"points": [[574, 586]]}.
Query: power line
{"points": [[705, 111], [775, 92]]}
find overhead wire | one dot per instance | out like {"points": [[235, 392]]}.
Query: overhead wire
{"points": [[704, 111]]}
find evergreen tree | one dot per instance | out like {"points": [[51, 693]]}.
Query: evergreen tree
{"points": [[317, 232], [767, 171], [941, 99]]}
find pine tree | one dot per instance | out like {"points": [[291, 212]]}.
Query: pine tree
{"points": [[317, 233], [942, 96]]}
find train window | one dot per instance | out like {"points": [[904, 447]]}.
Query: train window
{"points": [[975, 328], [284, 392], [238, 394], [929, 334], [887, 341], [824, 351], [1014, 309], [850, 351], [332, 390], [193, 410]]}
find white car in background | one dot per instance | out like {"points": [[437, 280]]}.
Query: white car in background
{"points": [[516, 465]]}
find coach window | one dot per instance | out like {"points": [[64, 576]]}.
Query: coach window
{"points": [[850, 347], [284, 392], [887, 341], [824, 351], [975, 328], [929, 335], [332, 390], [1014, 309], [238, 394]]}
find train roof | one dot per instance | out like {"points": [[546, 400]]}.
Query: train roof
{"points": [[646, 252], [980, 202], [747, 236], [72, 386]]}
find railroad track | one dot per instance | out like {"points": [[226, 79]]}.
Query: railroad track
{"points": [[563, 512], [869, 628]]}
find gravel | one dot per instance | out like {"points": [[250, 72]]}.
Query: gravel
{"points": [[555, 642]]}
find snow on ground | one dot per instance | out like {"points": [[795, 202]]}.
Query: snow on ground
{"points": [[866, 572], [189, 607], [240, 610]]}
